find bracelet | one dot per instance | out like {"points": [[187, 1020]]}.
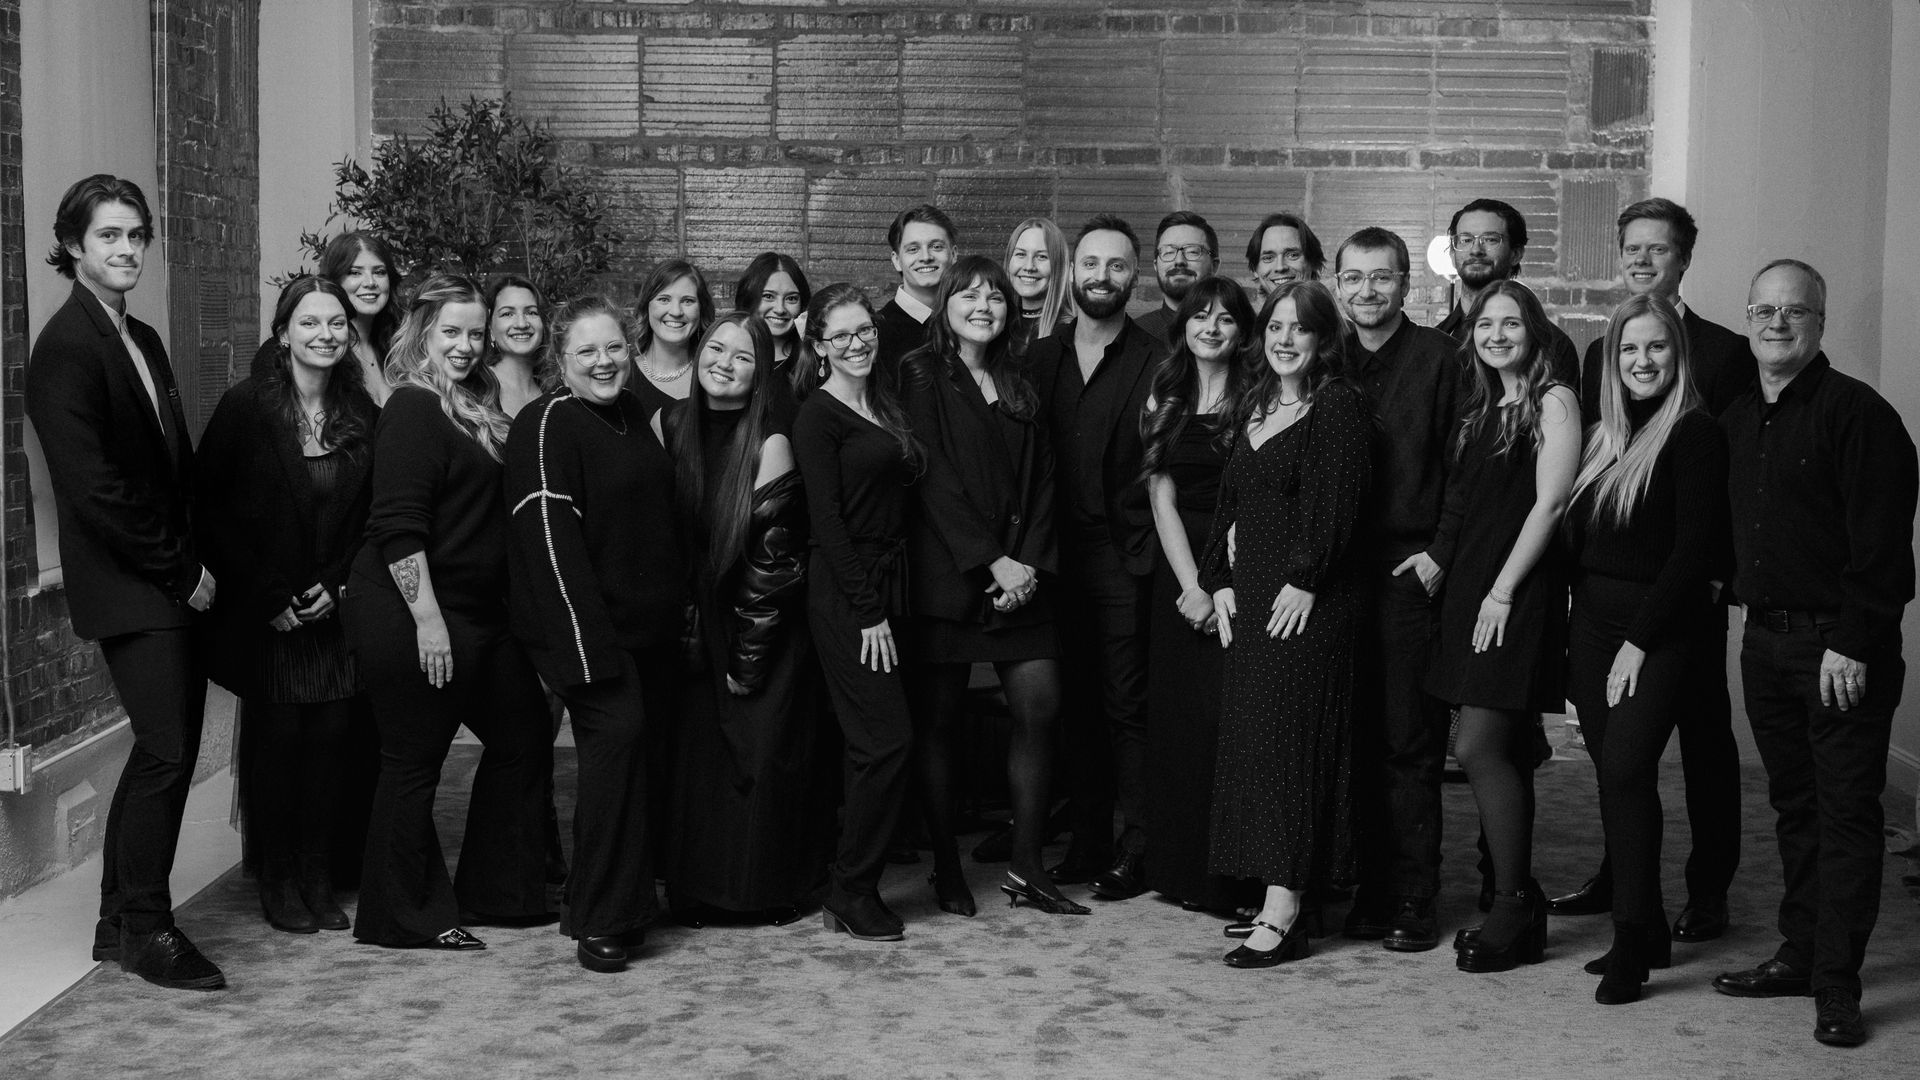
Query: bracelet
{"points": [[1504, 599]]}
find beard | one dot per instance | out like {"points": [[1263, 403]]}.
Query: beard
{"points": [[1101, 308], [1175, 289], [1479, 275]]}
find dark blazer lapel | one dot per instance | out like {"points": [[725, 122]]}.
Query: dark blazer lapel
{"points": [[119, 362], [286, 447], [1134, 347], [981, 421]]}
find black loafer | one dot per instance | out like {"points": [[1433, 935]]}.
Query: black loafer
{"points": [[604, 954], [1125, 880], [1414, 927], [1701, 922], [1593, 898], [166, 958], [1838, 1020], [1769, 978]]}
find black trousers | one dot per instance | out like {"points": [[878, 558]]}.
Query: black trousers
{"points": [[1710, 762], [876, 726], [1400, 742], [1103, 619], [161, 679], [1825, 772], [610, 885], [406, 896]]}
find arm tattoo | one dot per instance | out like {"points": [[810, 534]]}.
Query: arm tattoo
{"points": [[406, 574]]}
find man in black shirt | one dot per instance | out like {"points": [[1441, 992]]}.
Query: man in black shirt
{"points": [[1185, 250], [923, 241], [1657, 238], [1489, 240], [1412, 374], [1823, 483], [1093, 383]]}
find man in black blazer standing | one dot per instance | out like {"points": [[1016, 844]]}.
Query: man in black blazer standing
{"points": [[103, 401], [1093, 381]]}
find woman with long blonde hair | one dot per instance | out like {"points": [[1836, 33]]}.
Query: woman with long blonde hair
{"points": [[1039, 266]]}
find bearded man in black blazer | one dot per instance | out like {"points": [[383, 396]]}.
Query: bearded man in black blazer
{"points": [[103, 401]]}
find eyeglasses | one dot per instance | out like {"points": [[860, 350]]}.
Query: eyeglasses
{"points": [[615, 352], [844, 339], [1465, 241], [1761, 314], [1379, 279], [1191, 252]]}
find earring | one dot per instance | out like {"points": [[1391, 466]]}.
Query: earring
{"points": [[822, 370]]}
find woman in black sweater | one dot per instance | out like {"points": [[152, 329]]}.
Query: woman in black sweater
{"points": [[858, 462], [426, 613], [1648, 524], [283, 494], [982, 537], [775, 288], [599, 598]]}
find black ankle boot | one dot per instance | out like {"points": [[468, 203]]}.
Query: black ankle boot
{"points": [[1626, 966], [316, 892], [862, 917], [1515, 933], [280, 898]]}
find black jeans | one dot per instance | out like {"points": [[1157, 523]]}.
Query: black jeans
{"points": [[1825, 772], [1400, 742], [1103, 622], [162, 682]]}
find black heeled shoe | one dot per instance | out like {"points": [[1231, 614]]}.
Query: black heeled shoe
{"points": [[862, 918], [603, 954], [1527, 944], [456, 940], [1626, 967], [782, 915], [1018, 888], [280, 900], [1293, 946], [951, 889]]}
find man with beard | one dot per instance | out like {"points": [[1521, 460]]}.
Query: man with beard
{"points": [[1093, 384], [923, 240], [1489, 240], [1411, 374], [1185, 250]]}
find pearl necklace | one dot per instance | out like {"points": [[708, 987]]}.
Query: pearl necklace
{"points": [[647, 370]]}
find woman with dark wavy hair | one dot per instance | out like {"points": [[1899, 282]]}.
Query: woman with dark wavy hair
{"points": [[1292, 491], [283, 496], [674, 310], [1503, 613], [1187, 432], [362, 265], [774, 288], [517, 342]]}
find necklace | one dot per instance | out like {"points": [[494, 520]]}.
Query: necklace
{"points": [[594, 411], [311, 425], [647, 370]]}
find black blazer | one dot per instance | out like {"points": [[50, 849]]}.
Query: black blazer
{"points": [[977, 500], [1723, 366], [259, 520], [123, 489], [1129, 515]]}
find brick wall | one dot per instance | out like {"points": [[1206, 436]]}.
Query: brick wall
{"points": [[727, 126]]}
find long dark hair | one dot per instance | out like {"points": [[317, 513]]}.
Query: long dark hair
{"points": [[1485, 390], [343, 429], [664, 273], [881, 398], [716, 497], [753, 281], [546, 371], [1317, 313], [337, 258], [940, 356], [1176, 382]]}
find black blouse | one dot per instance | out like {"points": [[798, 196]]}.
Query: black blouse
{"points": [[858, 485]]}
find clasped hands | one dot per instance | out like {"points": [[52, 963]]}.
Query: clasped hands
{"points": [[1014, 583], [1287, 616], [318, 604]]}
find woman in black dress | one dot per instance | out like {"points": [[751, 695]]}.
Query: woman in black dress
{"points": [[1648, 525], [675, 308], [1292, 493], [599, 599], [1188, 432], [427, 616], [1039, 266], [858, 461], [978, 547], [1503, 614], [283, 494], [746, 835], [517, 342], [775, 288]]}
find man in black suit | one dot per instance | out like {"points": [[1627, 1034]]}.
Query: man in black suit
{"points": [[1656, 238], [1093, 383], [1185, 249], [103, 401], [923, 241], [1489, 240]]}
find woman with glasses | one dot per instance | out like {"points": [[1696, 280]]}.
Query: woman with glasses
{"points": [[1037, 263], [675, 308], [599, 599], [858, 461], [1283, 249], [517, 341], [775, 289], [1188, 432]]}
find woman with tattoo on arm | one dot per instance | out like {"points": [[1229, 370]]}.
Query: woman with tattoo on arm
{"points": [[426, 613]]}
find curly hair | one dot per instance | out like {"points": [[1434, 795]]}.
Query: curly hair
{"points": [[474, 410]]}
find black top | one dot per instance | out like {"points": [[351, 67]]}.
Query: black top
{"points": [[858, 487], [1158, 323], [651, 398], [1675, 541], [1561, 355], [597, 566], [1723, 367], [1415, 383], [436, 491], [900, 334], [1822, 484]]}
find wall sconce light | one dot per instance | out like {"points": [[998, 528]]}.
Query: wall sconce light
{"points": [[1440, 258]]}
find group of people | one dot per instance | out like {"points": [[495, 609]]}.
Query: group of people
{"points": [[1239, 559]]}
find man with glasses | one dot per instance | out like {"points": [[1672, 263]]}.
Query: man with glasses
{"points": [[1411, 374], [1657, 238], [923, 242], [1823, 483], [1185, 250], [1489, 240], [1093, 383]]}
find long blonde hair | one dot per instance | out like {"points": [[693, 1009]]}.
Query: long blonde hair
{"points": [[1055, 303], [476, 413], [1618, 462]]}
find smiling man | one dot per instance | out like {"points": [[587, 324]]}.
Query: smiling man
{"points": [[102, 399], [1186, 249], [923, 241], [1489, 241]]}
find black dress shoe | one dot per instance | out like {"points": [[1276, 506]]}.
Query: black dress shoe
{"points": [[1414, 927], [1125, 880], [1593, 898], [1293, 946], [1077, 868], [1770, 978], [1701, 921], [1838, 1020], [605, 954], [166, 958]]}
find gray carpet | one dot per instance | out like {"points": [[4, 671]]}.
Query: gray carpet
{"points": [[1136, 989]]}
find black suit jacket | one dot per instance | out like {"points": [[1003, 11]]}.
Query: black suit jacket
{"points": [[123, 490], [1134, 356], [978, 501], [259, 522], [900, 334], [1723, 366]]}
